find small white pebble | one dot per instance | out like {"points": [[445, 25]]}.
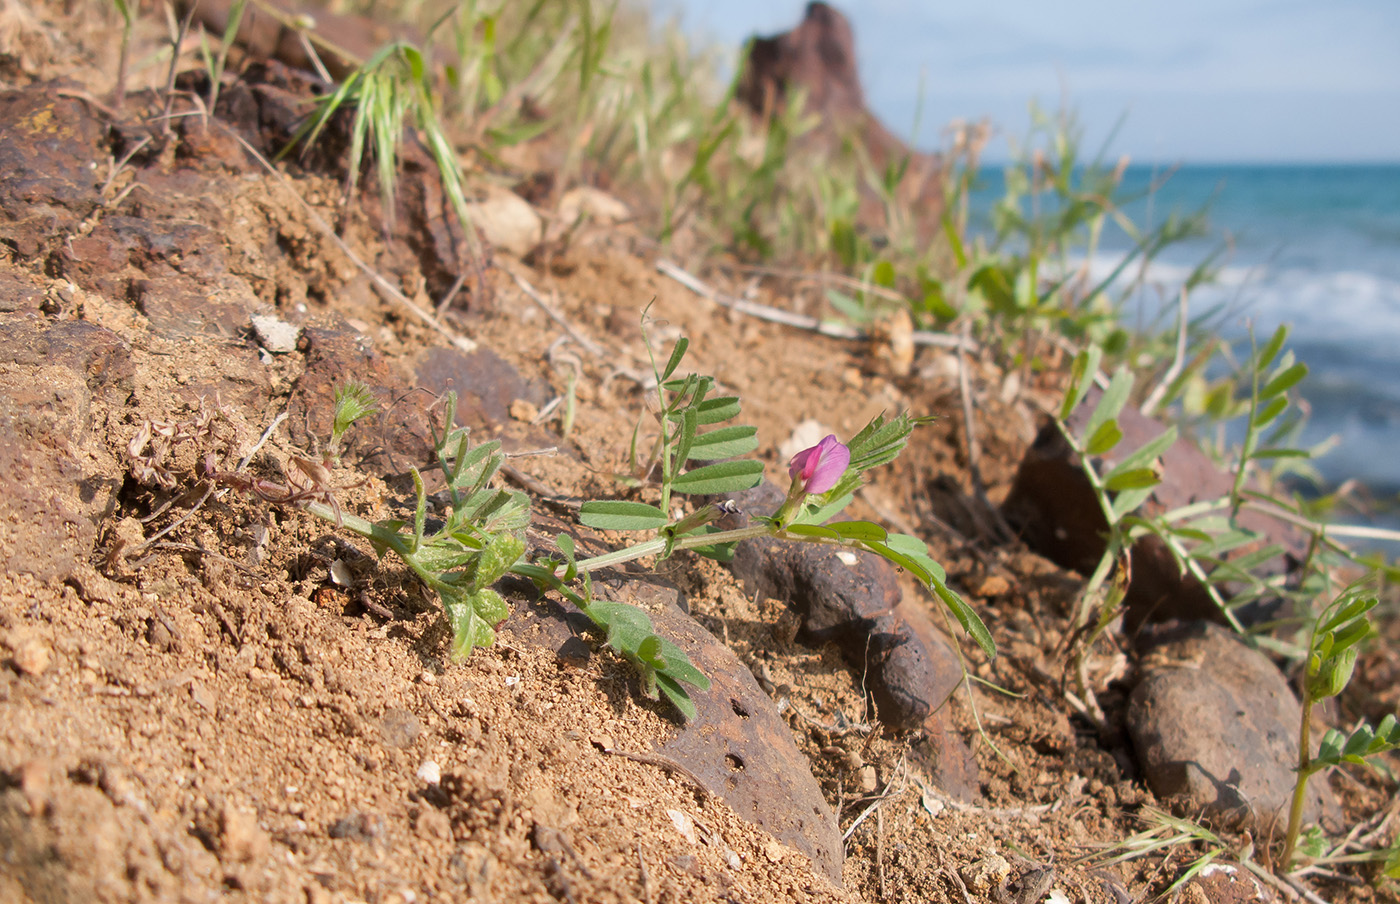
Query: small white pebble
{"points": [[683, 824], [847, 557], [274, 334], [430, 772]]}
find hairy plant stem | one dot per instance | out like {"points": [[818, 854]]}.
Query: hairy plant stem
{"points": [[1300, 787], [403, 545]]}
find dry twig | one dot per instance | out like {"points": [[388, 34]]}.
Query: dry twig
{"points": [[800, 321]]}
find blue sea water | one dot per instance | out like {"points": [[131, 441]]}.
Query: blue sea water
{"points": [[1316, 247]]}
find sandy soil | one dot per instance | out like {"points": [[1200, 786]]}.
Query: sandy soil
{"points": [[194, 710]]}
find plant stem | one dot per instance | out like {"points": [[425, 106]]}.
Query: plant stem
{"points": [[1300, 786]]}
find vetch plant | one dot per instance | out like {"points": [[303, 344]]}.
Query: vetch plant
{"points": [[480, 538], [1331, 656]]}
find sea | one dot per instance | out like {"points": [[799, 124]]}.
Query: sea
{"points": [[1314, 246]]}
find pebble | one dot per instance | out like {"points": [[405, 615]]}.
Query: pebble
{"points": [[684, 825], [868, 781], [32, 655], [399, 727], [429, 772], [274, 334], [240, 837], [986, 874]]}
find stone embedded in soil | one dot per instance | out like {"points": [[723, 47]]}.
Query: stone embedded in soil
{"points": [[51, 150], [18, 294], [854, 601], [52, 491], [487, 385], [506, 220], [1224, 883], [386, 443], [399, 727], [1215, 724], [241, 839], [1054, 508], [737, 746], [275, 334]]}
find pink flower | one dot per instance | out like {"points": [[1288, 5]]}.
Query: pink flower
{"points": [[820, 466]]}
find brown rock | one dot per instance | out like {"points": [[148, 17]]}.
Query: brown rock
{"points": [[853, 600], [1224, 883], [241, 839], [50, 154], [1215, 724], [506, 220], [488, 387], [1053, 506], [49, 502], [737, 746], [818, 58], [31, 654], [385, 443]]}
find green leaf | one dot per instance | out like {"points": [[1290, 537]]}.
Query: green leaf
{"points": [[724, 442], [679, 666], [819, 511], [689, 421], [677, 695], [1146, 454], [1129, 500], [712, 411], [353, 401], [813, 530], [619, 515], [566, 546], [677, 354], [1082, 372], [917, 550], [1110, 403], [500, 553], [1272, 348], [860, 530], [420, 511], [720, 477], [472, 616], [1137, 478], [626, 625], [649, 651], [1104, 439], [909, 563], [1265, 415], [1284, 381], [970, 621]]}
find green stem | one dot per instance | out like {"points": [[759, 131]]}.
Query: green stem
{"points": [[1300, 786]]}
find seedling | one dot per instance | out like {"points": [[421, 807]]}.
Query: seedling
{"points": [[1331, 656]]}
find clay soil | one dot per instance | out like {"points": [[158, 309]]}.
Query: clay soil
{"points": [[193, 709]]}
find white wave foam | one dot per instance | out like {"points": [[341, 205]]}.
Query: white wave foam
{"points": [[1341, 305]]}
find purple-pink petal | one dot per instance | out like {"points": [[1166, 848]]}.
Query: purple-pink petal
{"points": [[821, 466]]}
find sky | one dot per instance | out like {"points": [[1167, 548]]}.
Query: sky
{"points": [[1192, 81]]}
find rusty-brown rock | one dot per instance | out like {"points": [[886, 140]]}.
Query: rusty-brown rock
{"points": [[1215, 724], [818, 59], [50, 152], [737, 746], [397, 437], [486, 384], [853, 600], [49, 502], [1053, 507]]}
